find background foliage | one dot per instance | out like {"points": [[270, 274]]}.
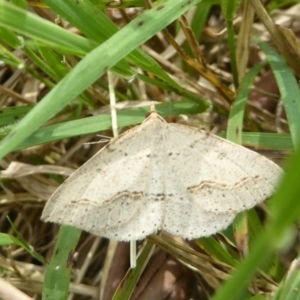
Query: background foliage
{"points": [[229, 66]]}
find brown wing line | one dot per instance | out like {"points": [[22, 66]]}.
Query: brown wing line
{"points": [[222, 186]]}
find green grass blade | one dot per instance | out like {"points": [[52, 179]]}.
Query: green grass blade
{"points": [[284, 209], [234, 134], [95, 124], [97, 26], [92, 22], [272, 141], [289, 287], [7, 239], [289, 89], [229, 9], [236, 116], [106, 56], [129, 282], [30, 25], [57, 276], [211, 246]]}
